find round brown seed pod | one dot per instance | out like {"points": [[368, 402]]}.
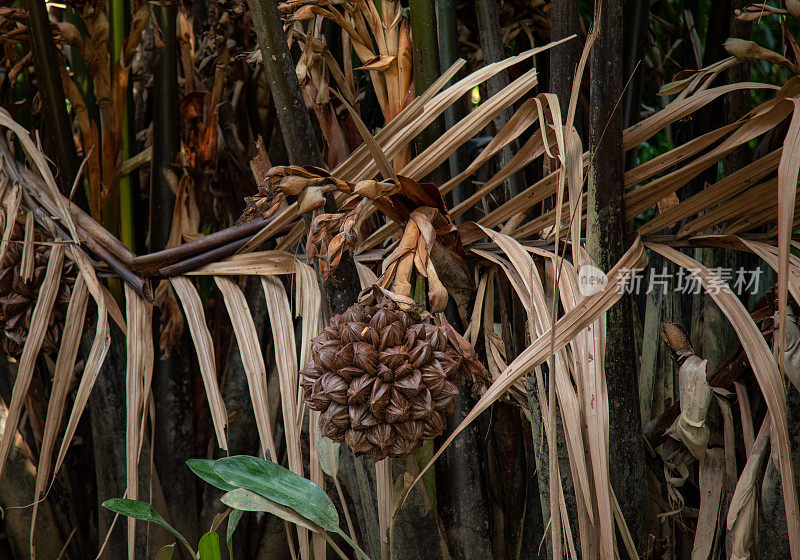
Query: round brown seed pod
{"points": [[385, 379]]}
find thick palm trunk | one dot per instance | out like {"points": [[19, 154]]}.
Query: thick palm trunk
{"points": [[606, 228]]}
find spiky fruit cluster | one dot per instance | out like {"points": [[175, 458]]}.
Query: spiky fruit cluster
{"points": [[18, 296], [384, 379]]}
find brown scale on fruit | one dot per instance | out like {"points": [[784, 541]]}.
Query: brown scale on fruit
{"points": [[385, 379]]}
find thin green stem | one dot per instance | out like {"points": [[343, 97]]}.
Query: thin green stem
{"points": [[426, 69]]}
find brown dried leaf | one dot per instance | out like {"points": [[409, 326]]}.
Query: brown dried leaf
{"points": [[39, 321], [380, 63], [252, 359], [748, 50], [204, 346]]}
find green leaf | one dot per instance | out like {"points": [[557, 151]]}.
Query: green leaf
{"points": [[140, 510], [282, 486], [209, 547], [233, 522], [244, 499], [328, 455], [166, 552], [204, 468], [247, 500], [352, 543]]}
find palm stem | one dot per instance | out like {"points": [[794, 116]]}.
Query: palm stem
{"points": [[48, 73], [119, 31]]}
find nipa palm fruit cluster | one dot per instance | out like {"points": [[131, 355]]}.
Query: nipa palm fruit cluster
{"points": [[18, 295], [384, 379]]}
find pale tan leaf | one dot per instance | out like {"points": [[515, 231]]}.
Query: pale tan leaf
{"points": [[477, 310], [39, 320], [11, 202], [114, 311], [573, 167], [667, 160], [787, 191], [384, 483], [138, 367], [769, 255], [695, 398], [712, 475], [380, 63], [378, 156], [748, 50], [256, 372], [588, 354], [762, 119], [97, 353], [280, 318], [532, 149], [263, 263], [519, 122], [308, 304], [679, 109], [361, 155], [40, 161], [741, 511], [204, 347], [742, 206], [28, 250], [465, 129], [62, 375], [365, 276], [316, 475], [728, 187], [565, 329]]}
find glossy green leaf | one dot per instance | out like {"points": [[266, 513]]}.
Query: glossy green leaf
{"points": [[140, 510], [281, 486], [166, 552], [209, 547], [247, 500], [243, 499], [204, 468]]}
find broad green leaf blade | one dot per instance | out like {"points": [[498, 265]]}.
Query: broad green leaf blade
{"points": [[281, 486], [233, 522], [166, 552], [209, 547], [140, 510], [247, 500], [204, 468]]}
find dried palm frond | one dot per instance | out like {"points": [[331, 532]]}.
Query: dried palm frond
{"points": [[39, 321], [376, 200], [766, 372], [19, 290]]}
